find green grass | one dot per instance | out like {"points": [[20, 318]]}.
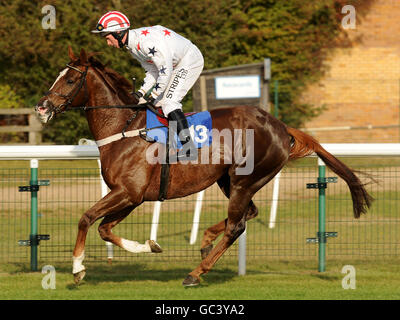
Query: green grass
{"points": [[279, 280]]}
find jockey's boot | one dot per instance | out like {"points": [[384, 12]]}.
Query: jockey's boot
{"points": [[189, 150]]}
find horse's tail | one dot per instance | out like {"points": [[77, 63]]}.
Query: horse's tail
{"points": [[305, 145]]}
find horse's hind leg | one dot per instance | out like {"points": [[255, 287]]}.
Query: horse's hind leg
{"points": [[238, 207], [111, 221], [241, 208], [214, 231]]}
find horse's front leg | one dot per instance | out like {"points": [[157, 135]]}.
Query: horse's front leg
{"points": [[115, 201], [111, 220]]}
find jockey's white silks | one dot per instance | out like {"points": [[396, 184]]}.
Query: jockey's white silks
{"points": [[172, 64]]}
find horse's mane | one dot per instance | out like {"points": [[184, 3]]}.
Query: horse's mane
{"points": [[119, 84]]}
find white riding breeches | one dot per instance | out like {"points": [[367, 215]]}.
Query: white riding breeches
{"points": [[184, 76]]}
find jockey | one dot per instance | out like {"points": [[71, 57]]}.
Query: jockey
{"points": [[172, 64]]}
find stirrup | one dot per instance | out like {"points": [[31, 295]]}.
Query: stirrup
{"points": [[189, 154], [183, 133]]}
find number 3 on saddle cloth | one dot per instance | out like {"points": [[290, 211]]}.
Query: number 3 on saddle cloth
{"points": [[200, 125]]}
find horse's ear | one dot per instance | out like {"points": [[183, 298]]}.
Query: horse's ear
{"points": [[71, 53], [83, 56]]}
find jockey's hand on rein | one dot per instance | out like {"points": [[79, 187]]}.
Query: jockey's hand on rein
{"points": [[151, 100], [137, 95]]}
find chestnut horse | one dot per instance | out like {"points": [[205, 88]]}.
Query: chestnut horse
{"points": [[86, 83]]}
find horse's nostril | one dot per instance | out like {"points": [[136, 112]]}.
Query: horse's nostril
{"points": [[44, 107], [41, 110], [48, 104]]}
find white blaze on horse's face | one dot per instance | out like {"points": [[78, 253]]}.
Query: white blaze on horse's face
{"points": [[62, 74], [44, 111]]}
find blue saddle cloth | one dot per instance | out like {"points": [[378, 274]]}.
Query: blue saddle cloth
{"points": [[200, 125]]}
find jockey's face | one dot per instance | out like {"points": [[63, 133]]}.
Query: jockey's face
{"points": [[111, 41]]}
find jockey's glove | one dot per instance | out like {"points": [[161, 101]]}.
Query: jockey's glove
{"points": [[137, 95], [151, 100]]}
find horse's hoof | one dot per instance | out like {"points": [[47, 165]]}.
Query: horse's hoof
{"points": [[154, 246], [190, 281], [78, 277], [205, 251]]}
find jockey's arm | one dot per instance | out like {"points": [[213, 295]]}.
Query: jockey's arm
{"points": [[150, 79], [161, 59]]}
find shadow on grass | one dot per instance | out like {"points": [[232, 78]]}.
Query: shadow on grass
{"points": [[123, 272], [98, 273], [327, 277]]}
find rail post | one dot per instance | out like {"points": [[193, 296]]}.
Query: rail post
{"points": [[242, 253], [322, 235], [34, 237], [321, 218], [34, 214]]}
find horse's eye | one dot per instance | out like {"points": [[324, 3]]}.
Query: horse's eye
{"points": [[69, 81]]}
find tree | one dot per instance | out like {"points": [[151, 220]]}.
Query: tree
{"points": [[295, 34], [8, 98]]}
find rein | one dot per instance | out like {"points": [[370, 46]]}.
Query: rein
{"points": [[146, 105], [69, 98], [82, 83]]}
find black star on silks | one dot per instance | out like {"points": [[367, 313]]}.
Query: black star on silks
{"points": [[162, 70], [152, 51], [157, 86]]}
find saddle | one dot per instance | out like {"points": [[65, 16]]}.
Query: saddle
{"points": [[200, 126], [158, 130]]}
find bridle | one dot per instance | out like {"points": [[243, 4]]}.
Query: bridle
{"points": [[69, 98]]}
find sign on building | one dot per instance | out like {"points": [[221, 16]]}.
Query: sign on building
{"points": [[232, 86], [237, 87]]}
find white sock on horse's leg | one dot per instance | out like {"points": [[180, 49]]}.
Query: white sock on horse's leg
{"points": [[134, 246], [77, 265]]}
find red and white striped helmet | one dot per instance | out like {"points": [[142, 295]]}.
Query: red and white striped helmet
{"points": [[112, 21]]}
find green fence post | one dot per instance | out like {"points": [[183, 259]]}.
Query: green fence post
{"points": [[34, 214], [34, 237], [321, 217], [322, 235]]}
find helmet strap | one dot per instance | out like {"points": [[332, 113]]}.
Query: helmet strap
{"points": [[119, 36]]}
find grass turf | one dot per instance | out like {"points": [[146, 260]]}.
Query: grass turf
{"points": [[277, 280]]}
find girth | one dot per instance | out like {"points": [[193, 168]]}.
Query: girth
{"points": [[164, 176]]}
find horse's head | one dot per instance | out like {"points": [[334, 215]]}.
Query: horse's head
{"points": [[69, 89]]}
